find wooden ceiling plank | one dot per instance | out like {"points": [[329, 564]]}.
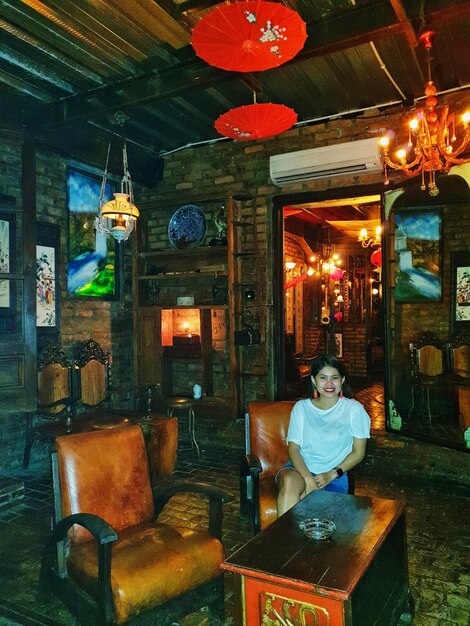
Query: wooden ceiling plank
{"points": [[74, 32], [344, 32], [51, 52], [159, 22], [95, 66], [24, 87]]}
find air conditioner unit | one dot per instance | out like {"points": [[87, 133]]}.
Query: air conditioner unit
{"points": [[343, 159]]}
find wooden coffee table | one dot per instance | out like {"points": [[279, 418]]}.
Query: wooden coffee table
{"points": [[357, 577]]}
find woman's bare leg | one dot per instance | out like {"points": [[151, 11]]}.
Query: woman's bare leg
{"points": [[290, 485]]}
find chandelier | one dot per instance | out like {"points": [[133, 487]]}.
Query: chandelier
{"points": [[117, 217], [367, 241], [432, 139]]}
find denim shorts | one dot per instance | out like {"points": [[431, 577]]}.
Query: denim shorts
{"points": [[338, 485]]}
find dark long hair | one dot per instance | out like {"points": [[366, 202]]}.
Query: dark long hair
{"points": [[328, 360]]}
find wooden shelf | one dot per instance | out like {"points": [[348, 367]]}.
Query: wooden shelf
{"points": [[167, 276], [205, 250], [161, 307]]}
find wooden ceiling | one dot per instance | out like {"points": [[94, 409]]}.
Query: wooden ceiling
{"points": [[69, 70]]}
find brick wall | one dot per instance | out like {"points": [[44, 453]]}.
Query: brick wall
{"points": [[109, 323], [207, 171], [228, 166]]}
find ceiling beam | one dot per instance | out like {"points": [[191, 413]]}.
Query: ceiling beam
{"points": [[346, 31], [408, 29]]}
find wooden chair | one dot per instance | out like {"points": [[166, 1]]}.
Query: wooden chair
{"points": [[427, 367], [93, 384], [269, 422], [459, 366], [56, 405], [93, 369], [121, 565]]}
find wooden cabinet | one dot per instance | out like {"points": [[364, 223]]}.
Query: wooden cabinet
{"points": [[223, 277], [163, 276]]}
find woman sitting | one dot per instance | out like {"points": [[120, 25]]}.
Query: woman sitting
{"points": [[327, 436]]}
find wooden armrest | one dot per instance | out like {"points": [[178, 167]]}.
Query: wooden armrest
{"points": [[250, 465], [54, 561], [97, 526]]}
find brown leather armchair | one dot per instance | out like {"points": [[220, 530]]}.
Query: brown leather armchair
{"points": [[121, 564], [268, 426]]}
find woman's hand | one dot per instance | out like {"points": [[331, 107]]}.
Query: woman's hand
{"points": [[310, 485], [324, 479]]}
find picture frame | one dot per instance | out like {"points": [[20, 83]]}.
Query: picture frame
{"points": [[417, 240], [93, 262], [460, 292], [47, 282], [7, 267]]}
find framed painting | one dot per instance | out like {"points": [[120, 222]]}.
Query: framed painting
{"points": [[47, 282], [460, 294], [93, 258], [7, 286], [418, 256]]}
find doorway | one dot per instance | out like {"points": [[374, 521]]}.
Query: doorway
{"points": [[330, 287]]}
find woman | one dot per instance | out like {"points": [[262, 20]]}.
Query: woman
{"points": [[327, 436]]}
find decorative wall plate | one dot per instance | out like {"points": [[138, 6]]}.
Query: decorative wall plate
{"points": [[187, 227]]}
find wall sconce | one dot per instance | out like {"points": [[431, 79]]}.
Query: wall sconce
{"points": [[289, 266], [117, 217], [367, 241]]}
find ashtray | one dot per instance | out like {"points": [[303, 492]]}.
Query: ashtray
{"points": [[316, 528]]}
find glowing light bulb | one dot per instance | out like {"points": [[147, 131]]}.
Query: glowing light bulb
{"points": [[401, 154], [414, 124], [384, 141]]}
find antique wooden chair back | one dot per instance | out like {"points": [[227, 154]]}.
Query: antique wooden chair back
{"points": [[55, 399], [93, 367], [460, 357], [120, 560], [428, 367]]}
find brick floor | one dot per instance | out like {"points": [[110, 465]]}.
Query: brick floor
{"points": [[437, 528]]}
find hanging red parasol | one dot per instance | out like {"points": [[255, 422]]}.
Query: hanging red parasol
{"points": [[249, 36], [376, 258], [255, 121]]}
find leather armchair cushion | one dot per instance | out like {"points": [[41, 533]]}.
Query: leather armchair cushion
{"points": [[169, 560]]}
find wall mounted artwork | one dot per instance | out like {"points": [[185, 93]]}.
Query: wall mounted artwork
{"points": [[460, 295], [92, 267], [47, 282], [417, 256], [5, 260], [8, 287]]}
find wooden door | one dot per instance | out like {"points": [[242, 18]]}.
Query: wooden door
{"points": [[18, 385]]}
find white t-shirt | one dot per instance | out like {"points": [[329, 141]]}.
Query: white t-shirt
{"points": [[325, 436]]}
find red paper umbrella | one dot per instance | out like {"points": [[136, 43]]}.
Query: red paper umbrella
{"points": [[255, 121], [249, 36]]}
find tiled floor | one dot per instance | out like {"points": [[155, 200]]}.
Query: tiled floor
{"points": [[437, 528]]}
